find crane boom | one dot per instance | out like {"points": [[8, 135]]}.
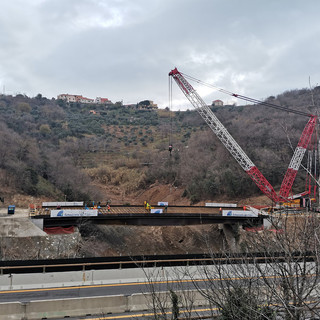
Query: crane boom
{"points": [[223, 135], [297, 157]]}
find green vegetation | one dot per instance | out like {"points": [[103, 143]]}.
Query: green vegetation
{"points": [[48, 146]]}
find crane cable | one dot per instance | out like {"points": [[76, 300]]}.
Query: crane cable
{"points": [[252, 100], [170, 106], [170, 115], [316, 173]]}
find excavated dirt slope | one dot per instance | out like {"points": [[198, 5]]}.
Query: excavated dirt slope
{"points": [[141, 240]]}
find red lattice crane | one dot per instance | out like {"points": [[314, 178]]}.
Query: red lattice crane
{"points": [[233, 147], [297, 157]]}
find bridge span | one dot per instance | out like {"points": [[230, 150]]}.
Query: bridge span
{"points": [[150, 220], [138, 215]]}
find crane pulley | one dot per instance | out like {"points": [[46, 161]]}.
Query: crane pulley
{"points": [[233, 147]]}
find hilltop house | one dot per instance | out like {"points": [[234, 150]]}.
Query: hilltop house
{"points": [[147, 104], [142, 105], [217, 103], [81, 99], [100, 100]]}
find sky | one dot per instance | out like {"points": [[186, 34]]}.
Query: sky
{"points": [[124, 49]]}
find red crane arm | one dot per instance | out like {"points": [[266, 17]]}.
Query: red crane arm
{"points": [[233, 147], [223, 135], [297, 157]]}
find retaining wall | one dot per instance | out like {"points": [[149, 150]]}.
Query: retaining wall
{"points": [[90, 277]]}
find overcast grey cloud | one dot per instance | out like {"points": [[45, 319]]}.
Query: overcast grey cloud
{"points": [[124, 50]]}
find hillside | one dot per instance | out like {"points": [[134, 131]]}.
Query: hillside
{"points": [[57, 151]]}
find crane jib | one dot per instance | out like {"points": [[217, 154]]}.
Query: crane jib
{"points": [[223, 135]]}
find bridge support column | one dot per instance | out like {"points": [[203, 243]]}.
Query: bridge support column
{"points": [[231, 233]]}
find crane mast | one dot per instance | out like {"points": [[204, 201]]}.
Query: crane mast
{"points": [[223, 135], [297, 157]]}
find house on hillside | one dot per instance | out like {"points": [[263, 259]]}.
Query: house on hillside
{"points": [[81, 99], [68, 97], [74, 98], [100, 100], [86, 100], [217, 103], [153, 105], [147, 105]]}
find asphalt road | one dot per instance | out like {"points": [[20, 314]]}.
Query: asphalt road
{"points": [[26, 295], [101, 290], [110, 289]]}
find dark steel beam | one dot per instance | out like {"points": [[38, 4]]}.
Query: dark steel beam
{"points": [[150, 220]]}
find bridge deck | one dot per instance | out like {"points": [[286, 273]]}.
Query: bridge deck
{"points": [[120, 209], [138, 215]]}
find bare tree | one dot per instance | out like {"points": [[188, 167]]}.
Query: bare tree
{"points": [[275, 277]]}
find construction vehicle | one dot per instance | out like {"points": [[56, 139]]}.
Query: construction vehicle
{"points": [[233, 147]]}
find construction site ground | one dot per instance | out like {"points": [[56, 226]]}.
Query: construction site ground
{"points": [[23, 240], [18, 224]]}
